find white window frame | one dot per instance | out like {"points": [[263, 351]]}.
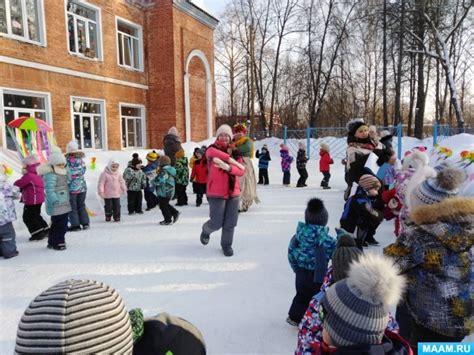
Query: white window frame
{"points": [[103, 120], [25, 38], [98, 22], [13, 91], [143, 118], [139, 30]]}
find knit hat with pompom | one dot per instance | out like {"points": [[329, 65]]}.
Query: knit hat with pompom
{"points": [[316, 213]]}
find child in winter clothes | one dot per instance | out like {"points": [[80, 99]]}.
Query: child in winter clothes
{"points": [[324, 165], [165, 188], [32, 195], [434, 252], [286, 161], [8, 193], [110, 186], [150, 174], [135, 180], [309, 252], [182, 178], [360, 211], [199, 175], [76, 169], [301, 160], [263, 161], [58, 205], [355, 311], [191, 166]]}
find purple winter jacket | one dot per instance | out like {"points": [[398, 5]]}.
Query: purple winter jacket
{"points": [[286, 160], [31, 186]]}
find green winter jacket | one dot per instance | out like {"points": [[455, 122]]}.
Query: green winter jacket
{"points": [[182, 171], [134, 179]]}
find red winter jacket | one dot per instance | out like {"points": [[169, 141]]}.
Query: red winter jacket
{"points": [[199, 172], [218, 179], [325, 161]]}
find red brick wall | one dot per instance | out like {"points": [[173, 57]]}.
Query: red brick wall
{"points": [[197, 91]]}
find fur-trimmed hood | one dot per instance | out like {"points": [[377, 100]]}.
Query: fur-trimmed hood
{"points": [[451, 221], [47, 169]]}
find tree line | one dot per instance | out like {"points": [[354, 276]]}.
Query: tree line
{"points": [[320, 63]]}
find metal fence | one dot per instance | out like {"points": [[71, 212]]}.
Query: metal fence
{"points": [[312, 137]]}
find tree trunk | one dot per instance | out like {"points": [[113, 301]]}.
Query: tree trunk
{"points": [[420, 95], [384, 68], [398, 82]]}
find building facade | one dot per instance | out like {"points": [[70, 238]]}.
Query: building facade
{"points": [[110, 74]]}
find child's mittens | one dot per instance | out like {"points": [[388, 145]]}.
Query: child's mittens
{"points": [[218, 163]]}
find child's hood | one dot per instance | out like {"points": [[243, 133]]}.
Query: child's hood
{"points": [[32, 169], [44, 169], [169, 169]]}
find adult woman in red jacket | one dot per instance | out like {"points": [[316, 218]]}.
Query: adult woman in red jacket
{"points": [[223, 189]]}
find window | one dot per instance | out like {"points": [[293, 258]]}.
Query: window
{"points": [[83, 25], [22, 20], [88, 122], [130, 44], [132, 118], [18, 103]]}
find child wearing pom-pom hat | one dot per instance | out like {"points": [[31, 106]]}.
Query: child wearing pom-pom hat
{"points": [[286, 160], [8, 193]]}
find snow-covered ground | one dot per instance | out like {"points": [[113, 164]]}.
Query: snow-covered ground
{"points": [[239, 303]]}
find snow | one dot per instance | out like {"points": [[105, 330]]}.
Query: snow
{"points": [[239, 303]]}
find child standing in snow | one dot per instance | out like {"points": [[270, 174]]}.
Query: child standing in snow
{"points": [[199, 175], [135, 181], [8, 193], [58, 205], [324, 165], [165, 188], [76, 169], [110, 186], [286, 161], [301, 160], [309, 252], [150, 174], [182, 178], [263, 161], [32, 195]]}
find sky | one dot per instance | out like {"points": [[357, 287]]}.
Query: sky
{"points": [[213, 6]]}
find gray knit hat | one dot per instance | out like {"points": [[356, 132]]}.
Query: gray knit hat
{"points": [[356, 308], [316, 213], [75, 316], [345, 253]]}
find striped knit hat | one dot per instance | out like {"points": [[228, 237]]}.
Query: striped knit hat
{"points": [[368, 182], [75, 316], [356, 308]]}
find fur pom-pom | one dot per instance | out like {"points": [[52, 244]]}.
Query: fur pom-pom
{"points": [[450, 178], [377, 279]]}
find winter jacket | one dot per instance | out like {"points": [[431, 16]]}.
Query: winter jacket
{"points": [[360, 209], [165, 181], [199, 172], [392, 344], [311, 326], [31, 186], [301, 159], [111, 184], [135, 179], [324, 161], [389, 178], [8, 193], [286, 160], [150, 174], [263, 158], [171, 144], [219, 182], [434, 252], [302, 248], [76, 169], [182, 171], [56, 189], [245, 146]]}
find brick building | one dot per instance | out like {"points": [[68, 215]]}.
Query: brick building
{"points": [[111, 74]]}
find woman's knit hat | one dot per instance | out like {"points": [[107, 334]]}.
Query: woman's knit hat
{"points": [[75, 316], [224, 129], [434, 190], [368, 182], [173, 130], [316, 213], [56, 157], [345, 253], [356, 308], [152, 156]]}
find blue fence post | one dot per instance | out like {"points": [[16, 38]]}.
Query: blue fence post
{"points": [[399, 139], [285, 134], [308, 141], [435, 134]]}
